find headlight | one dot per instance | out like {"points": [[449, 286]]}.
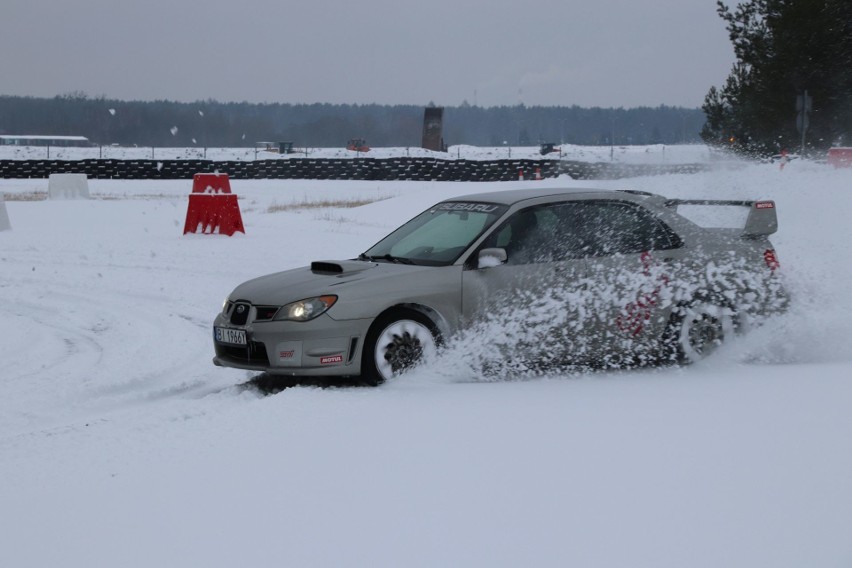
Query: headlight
{"points": [[305, 310]]}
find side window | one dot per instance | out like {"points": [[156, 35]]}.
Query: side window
{"points": [[580, 229], [624, 228], [525, 236], [573, 237]]}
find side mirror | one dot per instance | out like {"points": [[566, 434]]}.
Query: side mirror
{"points": [[491, 257]]}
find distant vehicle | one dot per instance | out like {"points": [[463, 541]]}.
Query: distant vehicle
{"points": [[279, 147], [548, 148], [785, 158], [631, 279], [357, 145]]}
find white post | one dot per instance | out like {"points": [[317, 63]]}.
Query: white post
{"points": [[805, 111], [5, 225]]}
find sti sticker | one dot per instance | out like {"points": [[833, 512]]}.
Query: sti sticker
{"points": [[289, 353]]}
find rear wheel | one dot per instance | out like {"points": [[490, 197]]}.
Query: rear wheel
{"points": [[396, 342], [698, 329]]}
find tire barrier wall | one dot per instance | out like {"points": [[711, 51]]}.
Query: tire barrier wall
{"points": [[384, 169]]}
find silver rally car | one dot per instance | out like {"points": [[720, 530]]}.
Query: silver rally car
{"points": [[633, 277]]}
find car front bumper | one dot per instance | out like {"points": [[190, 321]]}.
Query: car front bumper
{"points": [[320, 347]]}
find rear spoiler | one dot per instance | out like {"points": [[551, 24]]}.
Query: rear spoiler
{"points": [[762, 219]]}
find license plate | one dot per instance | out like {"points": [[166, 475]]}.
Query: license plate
{"points": [[232, 336]]}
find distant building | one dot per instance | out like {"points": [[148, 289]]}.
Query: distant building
{"points": [[33, 140], [433, 129]]}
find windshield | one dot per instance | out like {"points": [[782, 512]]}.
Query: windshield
{"points": [[438, 236]]}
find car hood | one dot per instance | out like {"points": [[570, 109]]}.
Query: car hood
{"points": [[321, 278]]}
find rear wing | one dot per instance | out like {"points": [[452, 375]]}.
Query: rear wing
{"points": [[760, 220]]}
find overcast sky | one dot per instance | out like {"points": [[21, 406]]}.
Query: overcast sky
{"points": [[489, 52]]}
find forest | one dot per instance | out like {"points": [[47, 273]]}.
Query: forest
{"points": [[791, 85], [240, 124]]}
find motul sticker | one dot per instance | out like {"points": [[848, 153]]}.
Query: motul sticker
{"points": [[764, 205], [331, 360]]}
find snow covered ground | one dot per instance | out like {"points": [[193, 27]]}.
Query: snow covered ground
{"points": [[121, 444], [651, 154]]}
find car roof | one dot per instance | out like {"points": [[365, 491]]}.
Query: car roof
{"points": [[512, 196]]}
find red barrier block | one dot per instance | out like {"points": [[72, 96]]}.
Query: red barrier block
{"points": [[213, 213], [211, 183], [840, 157]]}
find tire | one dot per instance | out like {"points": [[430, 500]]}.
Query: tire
{"points": [[397, 341], [698, 329]]}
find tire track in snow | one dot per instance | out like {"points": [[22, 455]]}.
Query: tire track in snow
{"points": [[65, 365]]}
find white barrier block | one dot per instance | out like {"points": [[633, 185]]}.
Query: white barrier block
{"points": [[68, 186], [5, 225]]}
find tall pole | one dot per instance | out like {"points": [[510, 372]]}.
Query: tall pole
{"points": [[612, 137], [804, 105], [804, 121]]}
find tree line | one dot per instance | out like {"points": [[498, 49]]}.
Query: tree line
{"points": [[240, 124]]}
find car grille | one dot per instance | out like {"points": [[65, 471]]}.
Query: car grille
{"points": [[239, 313], [265, 313], [254, 353]]}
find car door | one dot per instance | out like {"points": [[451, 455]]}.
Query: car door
{"points": [[526, 270], [632, 258], [589, 273], [528, 304]]}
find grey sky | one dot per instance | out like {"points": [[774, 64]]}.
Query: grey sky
{"points": [[498, 52]]}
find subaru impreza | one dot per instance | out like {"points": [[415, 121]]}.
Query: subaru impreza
{"points": [[634, 276]]}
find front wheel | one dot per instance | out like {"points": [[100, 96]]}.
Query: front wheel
{"points": [[698, 329], [396, 342]]}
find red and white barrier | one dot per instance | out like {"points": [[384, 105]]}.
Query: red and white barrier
{"points": [[212, 208], [211, 183], [840, 157]]}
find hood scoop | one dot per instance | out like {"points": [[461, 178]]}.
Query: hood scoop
{"points": [[339, 266], [326, 266]]}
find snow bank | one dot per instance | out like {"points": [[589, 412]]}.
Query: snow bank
{"points": [[650, 154]]}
